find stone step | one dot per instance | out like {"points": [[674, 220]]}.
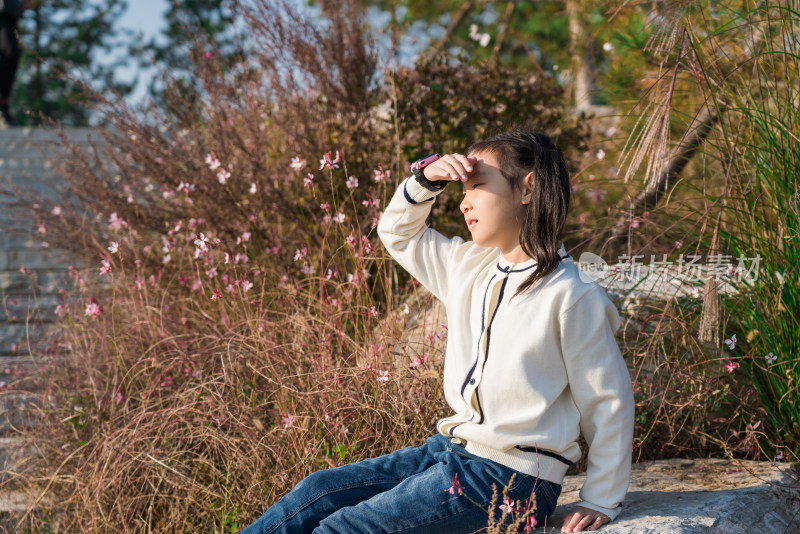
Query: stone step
{"points": [[18, 411], [42, 282], [44, 259], [21, 308], [15, 241], [13, 451], [42, 135], [14, 503], [26, 149], [14, 337], [15, 166]]}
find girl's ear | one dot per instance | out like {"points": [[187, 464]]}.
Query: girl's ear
{"points": [[527, 185]]}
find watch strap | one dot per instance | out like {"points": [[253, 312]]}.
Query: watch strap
{"points": [[427, 184]]}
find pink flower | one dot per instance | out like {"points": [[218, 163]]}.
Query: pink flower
{"points": [[383, 376], [114, 247], [456, 486], [106, 267], [297, 163], [771, 358], [373, 311], [380, 176], [212, 162], [183, 186], [300, 254], [352, 182], [367, 245], [730, 366], [184, 320], [308, 180], [288, 420], [216, 295], [201, 241], [42, 229], [339, 217], [223, 176], [530, 524], [508, 506], [119, 397], [56, 210], [247, 285], [326, 161], [781, 456], [93, 309]]}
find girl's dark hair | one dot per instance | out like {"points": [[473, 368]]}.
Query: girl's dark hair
{"points": [[519, 152]]}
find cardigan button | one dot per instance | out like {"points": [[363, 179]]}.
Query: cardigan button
{"points": [[471, 381]]}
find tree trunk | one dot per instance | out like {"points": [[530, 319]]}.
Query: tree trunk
{"points": [[584, 71]]}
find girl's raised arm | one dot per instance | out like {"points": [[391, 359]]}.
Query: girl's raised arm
{"points": [[424, 252]]}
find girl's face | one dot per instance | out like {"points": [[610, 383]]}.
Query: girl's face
{"points": [[493, 212]]}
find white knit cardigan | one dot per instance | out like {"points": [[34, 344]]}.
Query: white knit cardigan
{"points": [[550, 368]]}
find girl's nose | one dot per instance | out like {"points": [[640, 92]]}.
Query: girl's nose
{"points": [[464, 206]]}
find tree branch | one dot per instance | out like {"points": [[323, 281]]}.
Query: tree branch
{"points": [[457, 20], [502, 33]]}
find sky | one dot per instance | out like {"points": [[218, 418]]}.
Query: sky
{"points": [[147, 17]]}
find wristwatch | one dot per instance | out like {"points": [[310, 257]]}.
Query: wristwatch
{"points": [[420, 164]]}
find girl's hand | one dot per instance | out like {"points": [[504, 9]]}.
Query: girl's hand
{"points": [[450, 167], [580, 518]]}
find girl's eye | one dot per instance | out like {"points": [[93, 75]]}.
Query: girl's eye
{"points": [[464, 191]]}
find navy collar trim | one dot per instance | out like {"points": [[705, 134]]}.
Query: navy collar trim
{"points": [[508, 268]]}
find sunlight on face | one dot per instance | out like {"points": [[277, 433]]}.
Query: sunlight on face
{"points": [[491, 209]]}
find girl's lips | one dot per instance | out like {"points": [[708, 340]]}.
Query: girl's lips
{"points": [[471, 223]]}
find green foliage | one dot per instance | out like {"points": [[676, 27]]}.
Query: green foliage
{"points": [[537, 36], [64, 37], [448, 105]]}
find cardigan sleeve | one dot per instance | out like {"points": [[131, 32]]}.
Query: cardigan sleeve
{"points": [[602, 391], [422, 251]]}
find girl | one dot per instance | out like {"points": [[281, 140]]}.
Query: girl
{"points": [[531, 361]]}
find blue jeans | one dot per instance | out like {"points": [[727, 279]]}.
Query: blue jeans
{"points": [[405, 491]]}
